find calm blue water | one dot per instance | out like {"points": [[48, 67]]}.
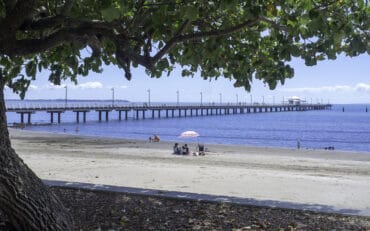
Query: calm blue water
{"points": [[349, 130]]}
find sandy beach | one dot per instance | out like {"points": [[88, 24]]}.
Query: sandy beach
{"points": [[317, 177]]}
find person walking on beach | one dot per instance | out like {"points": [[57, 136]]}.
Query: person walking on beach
{"points": [[298, 143]]}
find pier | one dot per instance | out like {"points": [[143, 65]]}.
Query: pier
{"points": [[159, 111]]}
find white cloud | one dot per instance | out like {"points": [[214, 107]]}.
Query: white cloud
{"points": [[50, 86], [89, 85], [362, 87], [337, 88]]}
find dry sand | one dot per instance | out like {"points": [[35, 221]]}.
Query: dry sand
{"points": [[317, 177]]}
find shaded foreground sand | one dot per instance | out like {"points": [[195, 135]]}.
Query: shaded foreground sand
{"points": [[318, 177]]}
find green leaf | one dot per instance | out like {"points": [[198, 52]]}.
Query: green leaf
{"points": [[191, 13], [111, 13], [310, 61], [14, 72], [313, 14], [294, 50], [31, 69], [163, 64], [5, 62], [357, 45]]}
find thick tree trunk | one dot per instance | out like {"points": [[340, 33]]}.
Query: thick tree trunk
{"points": [[26, 201]]}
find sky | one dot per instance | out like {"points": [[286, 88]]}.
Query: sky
{"points": [[344, 80]]}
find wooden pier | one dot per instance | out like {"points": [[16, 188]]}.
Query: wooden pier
{"points": [[160, 111]]}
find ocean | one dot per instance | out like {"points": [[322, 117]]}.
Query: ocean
{"points": [[347, 130]]}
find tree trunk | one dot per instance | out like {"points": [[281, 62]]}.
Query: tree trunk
{"points": [[25, 200]]}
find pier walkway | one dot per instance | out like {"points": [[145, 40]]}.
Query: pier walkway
{"points": [[156, 111]]}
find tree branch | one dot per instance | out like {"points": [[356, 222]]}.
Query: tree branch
{"points": [[23, 10], [59, 20], [274, 24], [65, 35], [182, 27], [197, 35], [46, 23], [34, 46], [87, 33]]}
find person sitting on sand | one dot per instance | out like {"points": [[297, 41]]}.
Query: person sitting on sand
{"points": [[185, 150], [201, 149], [176, 149], [156, 138]]}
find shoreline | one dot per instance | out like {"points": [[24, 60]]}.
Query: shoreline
{"points": [[312, 151], [317, 177]]}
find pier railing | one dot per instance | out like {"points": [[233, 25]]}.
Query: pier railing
{"points": [[92, 106], [139, 109]]}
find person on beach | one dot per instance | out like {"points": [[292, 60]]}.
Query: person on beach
{"points": [[298, 144], [176, 149], [156, 138], [185, 150], [201, 149]]}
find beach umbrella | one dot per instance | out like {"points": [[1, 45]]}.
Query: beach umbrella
{"points": [[189, 134]]}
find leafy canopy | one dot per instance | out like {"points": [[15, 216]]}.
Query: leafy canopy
{"points": [[235, 39]]}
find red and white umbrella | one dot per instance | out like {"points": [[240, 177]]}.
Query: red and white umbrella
{"points": [[189, 134]]}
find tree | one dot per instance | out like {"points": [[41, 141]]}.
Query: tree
{"points": [[235, 39]]}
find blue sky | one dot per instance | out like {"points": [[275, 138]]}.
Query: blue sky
{"points": [[345, 80]]}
